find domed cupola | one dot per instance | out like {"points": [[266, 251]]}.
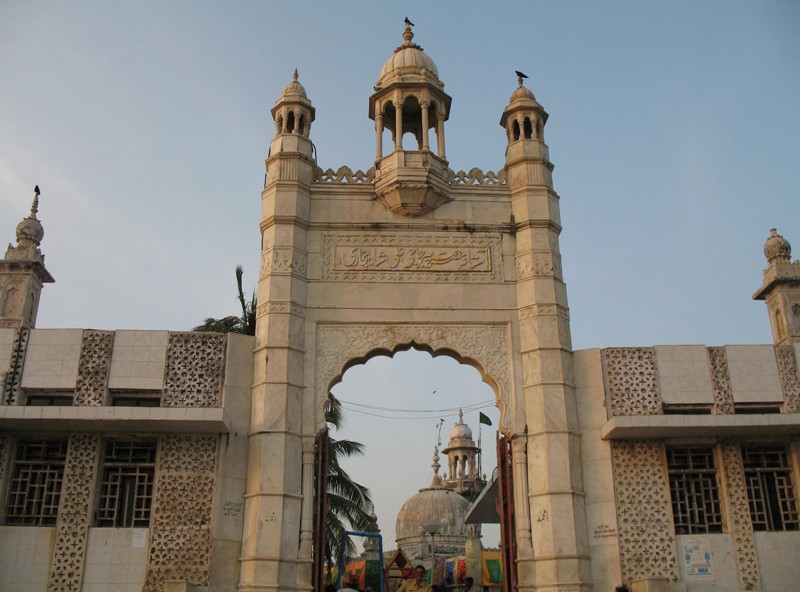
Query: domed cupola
{"points": [[432, 505], [293, 114], [777, 249], [410, 98], [523, 117], [464, 475]]}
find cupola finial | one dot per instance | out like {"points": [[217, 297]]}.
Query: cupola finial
{"points": [[35, 204], [408, 34], [294, 76]]}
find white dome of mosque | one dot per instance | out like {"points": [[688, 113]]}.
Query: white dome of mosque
{"points": [[461, 431], [461, 434], [294, 88], [432, 505], [409, 63]]}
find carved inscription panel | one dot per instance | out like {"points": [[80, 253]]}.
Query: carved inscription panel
{"points": [[430, 258]]}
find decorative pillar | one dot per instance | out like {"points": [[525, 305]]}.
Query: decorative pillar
{"points": [[424, 106], [440, 135], [74, 513], [741, 525], [307, 521], [519, 457], [378, 136], [398, 126]]}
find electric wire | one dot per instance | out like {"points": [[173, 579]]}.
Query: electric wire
{"points": [[470, 407], [413, 417]]}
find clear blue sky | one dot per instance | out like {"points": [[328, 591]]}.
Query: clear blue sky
{"points": [[674, 131]]}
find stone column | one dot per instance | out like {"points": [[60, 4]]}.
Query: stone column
{"points": [[307, 522], [519, 458], [440, 135], [378, 136], [425, 145], [398, 126]]}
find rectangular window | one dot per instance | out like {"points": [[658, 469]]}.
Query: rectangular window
{"points": [[135, 398], [770, 490], [693, 486], [687, 409], [36, 475], [126, 491], [756, 408], [49, 398]]}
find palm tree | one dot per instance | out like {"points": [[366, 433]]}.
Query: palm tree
{"points": [[245, 324], [350, 503]]}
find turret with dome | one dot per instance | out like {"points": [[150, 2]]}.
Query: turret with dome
{"points": [[463, 466], [410, 98]]}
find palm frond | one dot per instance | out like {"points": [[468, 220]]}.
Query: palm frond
{"points": [[334, 414]]}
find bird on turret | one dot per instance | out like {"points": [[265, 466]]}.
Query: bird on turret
{"points": [[408, 22], [520, 74]]}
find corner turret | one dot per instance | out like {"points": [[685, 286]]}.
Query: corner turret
{"points": [[781, 290], [22, 273], [293, 114]]}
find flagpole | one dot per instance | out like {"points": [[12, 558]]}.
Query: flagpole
{"points": [[480, 449]]}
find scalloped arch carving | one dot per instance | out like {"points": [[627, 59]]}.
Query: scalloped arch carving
{"points": [[485, 347]]}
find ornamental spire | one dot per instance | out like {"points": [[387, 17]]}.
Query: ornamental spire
{"points": [[35, 204], [408, 35], [437, 480]]}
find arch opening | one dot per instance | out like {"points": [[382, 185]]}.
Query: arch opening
{"points": [[389, 113], [528, 128], [412, 120], [429, 387]]}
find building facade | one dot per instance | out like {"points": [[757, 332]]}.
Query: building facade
{"points": [[162, 460]]}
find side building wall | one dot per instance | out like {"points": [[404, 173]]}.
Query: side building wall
{"points": [[122, 459], [691, 459]]}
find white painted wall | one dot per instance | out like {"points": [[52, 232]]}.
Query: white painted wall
{"points": [[116, 559], [25, 553]]}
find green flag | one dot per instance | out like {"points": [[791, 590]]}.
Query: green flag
{"points": [[484, 419]]}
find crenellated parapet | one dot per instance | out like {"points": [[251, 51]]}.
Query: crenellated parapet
{"points": [[474, 177], [344, 175]]}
